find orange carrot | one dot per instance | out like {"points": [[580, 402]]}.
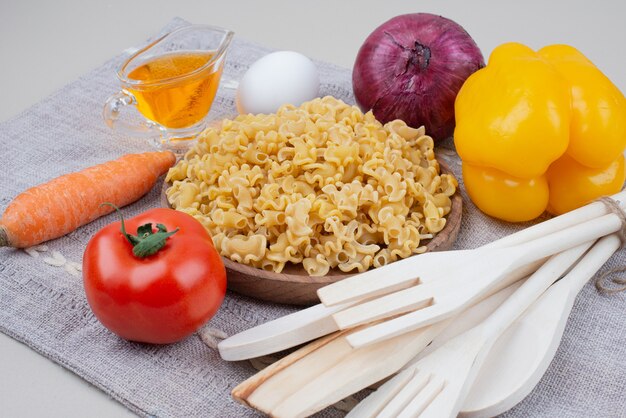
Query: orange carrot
{"points": [[61, 205]]}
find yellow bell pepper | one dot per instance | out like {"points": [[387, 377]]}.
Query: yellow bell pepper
{"points": [[573, 184], [539, 130]]}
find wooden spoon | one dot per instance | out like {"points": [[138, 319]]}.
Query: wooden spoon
{"points": [[522, 354]]}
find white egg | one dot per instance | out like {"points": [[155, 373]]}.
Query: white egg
{"points": [[279, 78]]}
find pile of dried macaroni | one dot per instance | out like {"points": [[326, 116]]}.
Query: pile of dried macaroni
{"points": [[321, 184]]}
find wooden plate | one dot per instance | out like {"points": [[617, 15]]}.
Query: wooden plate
{"points": [[294, 286]]}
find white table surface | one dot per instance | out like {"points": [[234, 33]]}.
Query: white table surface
{"points": [[46, 44]]}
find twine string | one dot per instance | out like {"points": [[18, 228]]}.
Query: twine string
{"points": [[613, 207]]}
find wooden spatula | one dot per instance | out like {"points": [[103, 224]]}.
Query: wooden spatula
{"points": [[302, 326]]}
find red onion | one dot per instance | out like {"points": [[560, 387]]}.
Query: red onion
{"points": [[412, 67]]}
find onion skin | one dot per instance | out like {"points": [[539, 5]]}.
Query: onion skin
{"points": [[412, 67]]}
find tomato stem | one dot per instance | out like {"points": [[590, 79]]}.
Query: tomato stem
{"points": [[146, 242]]}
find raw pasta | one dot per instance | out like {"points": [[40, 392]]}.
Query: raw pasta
{"points": [[322, 184]]}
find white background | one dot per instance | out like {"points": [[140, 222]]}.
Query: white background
{"points": [[46, 44]]}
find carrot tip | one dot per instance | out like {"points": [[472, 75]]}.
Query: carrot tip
{"points": [[4, 238]]}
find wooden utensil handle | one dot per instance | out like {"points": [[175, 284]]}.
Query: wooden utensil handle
{"points": [[403, 273], [564, 239], [530, 290], [280, 334], [593, 261], [586, 213]]}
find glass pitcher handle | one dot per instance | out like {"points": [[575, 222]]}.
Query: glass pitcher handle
{"points": [[112, 111]]}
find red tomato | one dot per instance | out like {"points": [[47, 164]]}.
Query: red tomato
{"points": [[161, 298]]}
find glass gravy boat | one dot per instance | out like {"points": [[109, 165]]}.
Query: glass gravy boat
{"points": [[172, 83]]}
